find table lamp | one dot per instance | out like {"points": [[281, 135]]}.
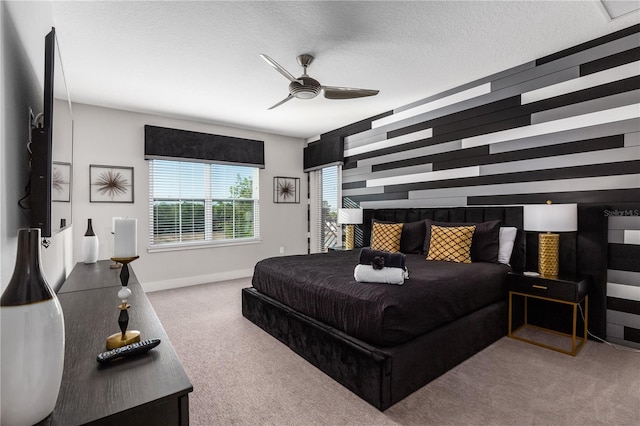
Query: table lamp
{"points": [[349, 217], [548, 219]]}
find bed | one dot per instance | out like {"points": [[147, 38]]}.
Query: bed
{"points": [[375, 339]]}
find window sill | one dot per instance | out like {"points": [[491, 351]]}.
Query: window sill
{"points": [[200, 245]]}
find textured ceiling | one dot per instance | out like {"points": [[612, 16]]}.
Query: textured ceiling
{"points": [[200, 60]]}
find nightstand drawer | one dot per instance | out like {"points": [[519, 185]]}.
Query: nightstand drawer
{"points": [[553, 288]]}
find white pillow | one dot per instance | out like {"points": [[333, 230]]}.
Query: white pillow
{"points": [[507, 239]]}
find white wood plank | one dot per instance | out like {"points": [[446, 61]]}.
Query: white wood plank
{"points": [[426, 177], [622, 291], [583, 133], [561, 185], [561, 161], [591, 80], [464, 95], [592, 119], [412, 153], [399, 140], [432, 202], [631, 236]]}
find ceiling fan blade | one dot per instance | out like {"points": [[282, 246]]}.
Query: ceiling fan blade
{"points": [[278, 68], [333, 92], [282, 101]]}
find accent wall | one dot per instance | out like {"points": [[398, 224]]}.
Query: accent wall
{"points": [[565, 127]]}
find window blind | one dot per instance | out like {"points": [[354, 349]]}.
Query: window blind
{"points": [[328, 201], [199, 203]]}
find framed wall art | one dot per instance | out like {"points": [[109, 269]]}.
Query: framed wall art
{"points": [[61, 182], [286, 190], [111, 184]]}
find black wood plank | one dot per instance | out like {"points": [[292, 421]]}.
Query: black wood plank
{"points": [[378, 197], [592, 170], [349, 164], [352, 185], [475, 152], [598, 197], [588, 145], [461, 116], [589, 44], [623, 305], [611, 61], [632, 334], [511, 120], [353, 128], [601, 91], [624, 257]]}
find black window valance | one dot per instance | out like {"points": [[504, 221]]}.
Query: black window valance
{"points": [[325, 152], [164, 143]]}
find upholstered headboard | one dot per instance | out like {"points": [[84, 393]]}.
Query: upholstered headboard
{"points": [[510, 216]]}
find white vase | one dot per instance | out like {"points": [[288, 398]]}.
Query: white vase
{"points": [[90, 245], [32, 334]]}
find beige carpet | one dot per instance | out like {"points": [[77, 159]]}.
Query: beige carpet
{"points": [[243, 376]]}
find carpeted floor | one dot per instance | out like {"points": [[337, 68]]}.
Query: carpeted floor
{"points": [[243, 376]]}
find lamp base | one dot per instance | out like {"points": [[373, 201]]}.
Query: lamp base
{"points": [[548, 249], [116, 340], [349, 237]]}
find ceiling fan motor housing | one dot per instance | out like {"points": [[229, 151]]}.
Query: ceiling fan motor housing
{"points": [[308, 90]]}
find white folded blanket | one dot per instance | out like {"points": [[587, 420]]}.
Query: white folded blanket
{"points": [[366, 274]]}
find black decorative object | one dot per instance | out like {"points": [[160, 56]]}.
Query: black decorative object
{"points": [[32, 333], [377, 262], [125, 337], [286, 190]]}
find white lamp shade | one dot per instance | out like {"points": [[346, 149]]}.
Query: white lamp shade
{"points": [[551, 217], [349, 216]]}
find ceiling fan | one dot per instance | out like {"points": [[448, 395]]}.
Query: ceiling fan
{"points": [[305, 87]]}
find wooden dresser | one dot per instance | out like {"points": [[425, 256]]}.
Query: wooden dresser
{"points": [[150, 389]]}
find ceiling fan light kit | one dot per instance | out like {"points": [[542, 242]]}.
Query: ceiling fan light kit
{"points": [[305, 87]]}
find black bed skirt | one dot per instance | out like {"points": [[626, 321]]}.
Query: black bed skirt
{"points": [[380, 376]]}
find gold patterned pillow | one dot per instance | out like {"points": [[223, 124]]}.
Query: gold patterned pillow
{"points": [[452, 244], [386, 236]]}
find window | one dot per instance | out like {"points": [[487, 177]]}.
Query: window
{"points": [[199, 203], [328, 200]]}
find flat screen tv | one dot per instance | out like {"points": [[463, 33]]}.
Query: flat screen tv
{"points": [[51, 149]]}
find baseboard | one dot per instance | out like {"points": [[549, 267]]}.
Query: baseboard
{"points": [[195, 280]]}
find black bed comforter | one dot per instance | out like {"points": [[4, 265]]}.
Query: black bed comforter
{"points": [[322, 286]]}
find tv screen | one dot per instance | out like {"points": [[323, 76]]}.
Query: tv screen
{"points": [[51, 149]]}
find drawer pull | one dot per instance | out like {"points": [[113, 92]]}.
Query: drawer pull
{"points": [[541, 287]]}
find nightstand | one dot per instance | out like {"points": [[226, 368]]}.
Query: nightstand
{"points": [[571, 291]]}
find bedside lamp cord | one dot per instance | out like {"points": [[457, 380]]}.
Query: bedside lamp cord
{"points": [[620, 348]]}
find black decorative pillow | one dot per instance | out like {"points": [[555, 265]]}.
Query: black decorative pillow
{"points": [[412, 238], [486, 239]]}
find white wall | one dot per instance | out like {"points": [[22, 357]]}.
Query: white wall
{"points": [[23, 29], [113, 137]]}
